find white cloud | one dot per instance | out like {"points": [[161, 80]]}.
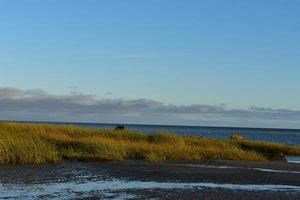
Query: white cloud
{"points": [[17, 104]]}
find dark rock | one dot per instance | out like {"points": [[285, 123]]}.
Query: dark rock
{"points": [[120, 128], [280, 157]]}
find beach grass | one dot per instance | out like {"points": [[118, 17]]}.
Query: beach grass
{"points": [[23, 143]]}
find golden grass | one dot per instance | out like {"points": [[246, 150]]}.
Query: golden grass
{"points": [[37, 144]]}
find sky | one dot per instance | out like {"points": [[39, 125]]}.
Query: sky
{"points": [[209, 62]]}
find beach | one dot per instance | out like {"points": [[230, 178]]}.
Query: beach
{"points": [[143, 180]]}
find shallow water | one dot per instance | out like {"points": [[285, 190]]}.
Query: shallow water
{"points": [[293, 159], [107, 188], [115, 181], [233, 167]]}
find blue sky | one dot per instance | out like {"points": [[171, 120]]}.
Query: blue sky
{"points": [[238, 53]]}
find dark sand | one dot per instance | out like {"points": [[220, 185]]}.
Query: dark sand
{"points": [[220, 172]]}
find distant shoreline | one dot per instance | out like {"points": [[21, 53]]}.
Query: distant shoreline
{"points": [[156, 125], [289, 137]]}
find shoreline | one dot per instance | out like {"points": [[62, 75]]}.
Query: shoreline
{"points": [[154, 125]]}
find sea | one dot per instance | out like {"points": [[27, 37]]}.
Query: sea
{"points": [[284, 136]]}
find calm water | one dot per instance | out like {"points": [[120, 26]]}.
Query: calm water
{"points": [[287, 136]]}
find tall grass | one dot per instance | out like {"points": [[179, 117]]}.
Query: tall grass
{"points": [[37, 144]]}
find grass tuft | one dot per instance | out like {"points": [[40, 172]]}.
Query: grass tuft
{"points": [[238, 137]]}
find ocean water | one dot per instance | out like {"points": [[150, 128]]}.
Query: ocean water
{"points": [[286, 136]]}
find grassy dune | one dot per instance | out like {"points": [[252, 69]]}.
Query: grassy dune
{"points": [[37, 144]]}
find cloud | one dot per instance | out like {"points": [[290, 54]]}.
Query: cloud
{"points": [[17, 104]]}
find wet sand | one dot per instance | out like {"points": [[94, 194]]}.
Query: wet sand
{"points": [[141, 180]]}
